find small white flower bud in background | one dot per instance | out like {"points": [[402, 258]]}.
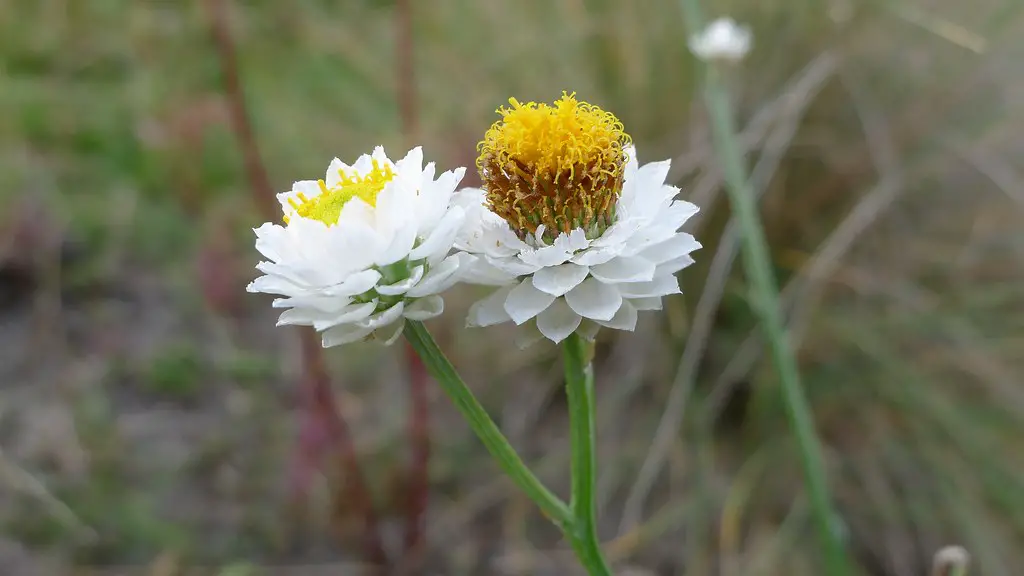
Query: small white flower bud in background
{"points": [[951, 561], [723, 39]]}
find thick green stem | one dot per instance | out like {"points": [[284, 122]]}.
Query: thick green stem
{"points": [[757, 265], [579, 386], [485, 428]]}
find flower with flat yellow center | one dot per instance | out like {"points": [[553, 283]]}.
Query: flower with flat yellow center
{"points": [[560, 166], [326, 207]]}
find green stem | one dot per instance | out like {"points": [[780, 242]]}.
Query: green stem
{"points": [[579, 386], [757, 265], [485, 428]]}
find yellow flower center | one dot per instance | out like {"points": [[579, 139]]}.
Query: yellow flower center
{"points": [[559, 165], [327, 206]]}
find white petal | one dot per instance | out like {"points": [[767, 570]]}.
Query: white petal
{"points": [[388, 334], [675, 214], [545, 256], [490, 310], [349, 247], [273, 241], [442, 276], [646, 303], [594, 299], [624, 319], [641, 189], [383, 318], [299, 317], [646, 237], [557, 280], [624, 269], [336, 167], [673, 266], [564, 246], [347, 315], [660, 286], [588, 329], [679, 245], [441, 237], [308, 188], [558, 321], [273, 284], [435, 197], [512, 266], [343, 334], [525, 302], [355, 284], [484, 232], [396, 203], [357, 210], [382, 158], [425, 308], [481, 271], [404, 285], [301, 278], [527, 336], [326, 304], [619, 232], [411, 167], [597, 255], [402, 239]]}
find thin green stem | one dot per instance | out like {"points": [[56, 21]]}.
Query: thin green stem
{"points": [[485, 428], [757, 265], [579, 386]]}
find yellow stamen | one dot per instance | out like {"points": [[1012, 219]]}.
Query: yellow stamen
{"points": [[327, 206], [560, 165]]}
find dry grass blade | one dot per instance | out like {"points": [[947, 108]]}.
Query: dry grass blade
{"points": [[805, 289], [992, 167], [21, 479], [316, 378], [791, 107]]}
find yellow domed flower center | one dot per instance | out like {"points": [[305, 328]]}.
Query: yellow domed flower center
{"points": [[327, 206], [559, 165]]}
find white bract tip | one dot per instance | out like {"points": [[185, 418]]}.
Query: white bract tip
{"points": [[723, 39]]}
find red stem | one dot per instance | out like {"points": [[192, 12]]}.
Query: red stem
{"points": [[418, 488], [419, 434], [316, 383], [406, 71], [357, 493]]}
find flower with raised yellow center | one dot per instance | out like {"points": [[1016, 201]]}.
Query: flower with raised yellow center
{"points": [[558, 166], [364, 248], [576, 233]]}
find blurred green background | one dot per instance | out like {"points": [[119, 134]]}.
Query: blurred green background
{"points": [[148, 405]]}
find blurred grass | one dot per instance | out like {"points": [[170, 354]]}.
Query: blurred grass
{"points": [[113, 121]]}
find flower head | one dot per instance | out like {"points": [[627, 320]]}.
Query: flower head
{"points": [[559, 166], [723, 39], [570, 253], [363, 248]]}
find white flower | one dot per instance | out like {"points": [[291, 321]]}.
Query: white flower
{"points": [[573, 282], [364, 248], [723, 39]]}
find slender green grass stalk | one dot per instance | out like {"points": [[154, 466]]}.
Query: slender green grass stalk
{"points": [[578, 520], [579, 386], [485, 428], [757, 265]]}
